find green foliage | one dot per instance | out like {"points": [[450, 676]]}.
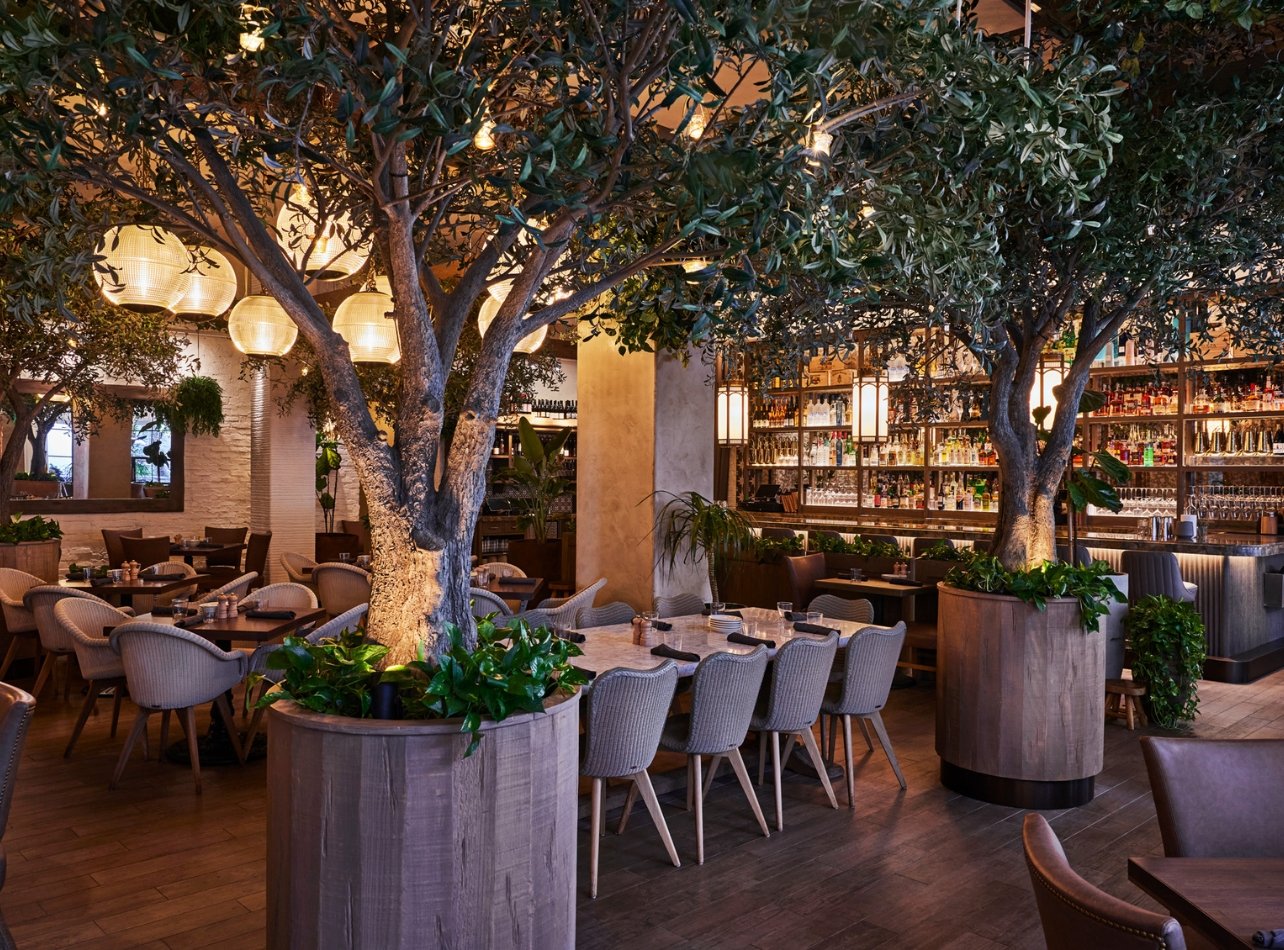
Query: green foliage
{"points": [[1169, 647], [328, 463], [863, 547], [692, 527], [17, 530], [534, 472], [38, 477], [194, 406], [153, 453], [336, 677], [769, 550], [1090, 584], [943, 551]]}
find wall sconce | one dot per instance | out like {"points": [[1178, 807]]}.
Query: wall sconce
{"points": [[733, 414]]}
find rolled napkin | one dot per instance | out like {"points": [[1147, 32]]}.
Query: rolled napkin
{"points": [[572, 636], [904, 582], [246, 606], [99, 581], [1268, 938], [189, 622], [662, 625], [814, 628], [667, 651], [162, 610], [750, 641], [270, 614], [517, 581], [795, 615]]}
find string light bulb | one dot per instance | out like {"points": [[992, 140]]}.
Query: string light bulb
{"points": [[484, 139]]}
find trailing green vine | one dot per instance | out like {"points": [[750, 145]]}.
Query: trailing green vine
{"points": [[1169, 646], [1090, 585]]}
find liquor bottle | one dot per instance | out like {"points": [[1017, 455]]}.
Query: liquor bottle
{"points": [[1277, 443]]}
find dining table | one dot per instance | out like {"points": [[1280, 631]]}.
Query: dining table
{"points": [[880, 593], [189, 552], [518, 592], [122, 592], [1226, 900]]}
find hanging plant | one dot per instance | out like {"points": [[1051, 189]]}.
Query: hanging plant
{"points": [[195, 406]]}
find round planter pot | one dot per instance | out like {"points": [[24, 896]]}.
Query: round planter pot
{"points": [[382, 834], [1020, 700], [39, 558]]}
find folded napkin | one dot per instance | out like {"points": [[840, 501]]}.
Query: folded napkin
{"points": [[903, 581], [100, 581], [814, 628], [661, 625], [665, 650], [572, 636], [750, 641], [245, 606], [517, 581], [795, 615], [270, 614], [189, 622], [1268, 938], [162, 610]]}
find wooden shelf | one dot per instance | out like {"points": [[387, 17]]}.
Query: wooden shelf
{"points": [[1130, 420]]}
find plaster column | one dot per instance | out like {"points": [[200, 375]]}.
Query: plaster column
{"points": [[645, 425], [282, 474]]}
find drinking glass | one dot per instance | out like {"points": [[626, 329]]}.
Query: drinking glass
{"points": [[815, 616], [345, 557], [209, 612], [716, 606], [650, 616], [783, 607], [179, 605]]}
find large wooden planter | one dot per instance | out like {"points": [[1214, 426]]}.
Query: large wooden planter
{"points": [[37, 488], [39, 558], [1020, 700], [382, 834]]}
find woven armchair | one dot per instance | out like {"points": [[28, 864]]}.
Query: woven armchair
{"points": [[169, 668], [286, 596], [622, 724], [843, 608], [143, 604], [504, 569], [581, 598], [298, 567], [240, 587], [16, 707], [679, 605], [606, 615], [18, 621], [484, 603], [57, 643], [340, 587], [82, 621]]}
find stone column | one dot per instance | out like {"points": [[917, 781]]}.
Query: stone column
{"points": [[645, 425], [282, 475]]}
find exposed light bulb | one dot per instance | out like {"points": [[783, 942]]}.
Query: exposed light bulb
{"points": [[867, 211], [252, 42], [696, 125], [484, 140], [820, 144], [698, 264]]}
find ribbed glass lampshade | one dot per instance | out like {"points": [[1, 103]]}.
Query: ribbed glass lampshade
{"points": [[365, 321], [150, 265], [259, 326], [212, 287], [325, 247], [527, 344]]}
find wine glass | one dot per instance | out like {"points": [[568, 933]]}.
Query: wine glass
{"points": [[784, 608]]}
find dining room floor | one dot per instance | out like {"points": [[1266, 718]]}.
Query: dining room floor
{"points": [[154, 865]]}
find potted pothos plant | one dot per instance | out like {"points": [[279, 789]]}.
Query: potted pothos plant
{"points": [[467, 720], [1169, 649], [535, 476]]}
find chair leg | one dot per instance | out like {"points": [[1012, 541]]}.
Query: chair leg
{"points": [[762, 756], [91, 701], [10, 655], [115, 707], [742, 774], [818, 761], [595, 837], [714, 762], [847, 762], [256, 720], [833, 735], [697, 767], [188, 719], [864, 731], [628, 808], [139, 729], [642, 781], [1132, 722], [876, 720], [164, 736], [42, 677], [225, 710], [775, 771], [690, 784]]}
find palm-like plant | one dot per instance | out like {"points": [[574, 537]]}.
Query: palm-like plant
{"points": [[691, 527], [535, 473]]}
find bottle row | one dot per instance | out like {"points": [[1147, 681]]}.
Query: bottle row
{"points": [[827, 409], [507, 443], [549, 408], [837, 449], [944, 491]]}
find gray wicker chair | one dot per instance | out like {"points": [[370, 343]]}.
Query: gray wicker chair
{"points": [[856, 610], [484, 603], [18, 621], [1076, 914], [622, 725], [340, 587], [240, 587], [723, 692], [169, 668], [868, 668], [82, 620], [570, 606], [286, 596], [606, 615], [799, 676], [16, 707], [298, 567], [54, 640], [679, 605], [504, 569], [534, 617]]}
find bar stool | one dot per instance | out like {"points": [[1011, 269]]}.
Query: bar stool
{"points": [[1123, 702]]}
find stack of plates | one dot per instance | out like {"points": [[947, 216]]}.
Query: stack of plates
{"points": [[723, 623]]}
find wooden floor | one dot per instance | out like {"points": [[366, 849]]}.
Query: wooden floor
{"points": [[153, 865]]}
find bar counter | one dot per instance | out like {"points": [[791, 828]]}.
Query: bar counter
{"points": [[1244, 620]]}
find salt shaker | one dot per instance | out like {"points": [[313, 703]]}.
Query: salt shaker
{"points": [[233, 606], [221, 613]]}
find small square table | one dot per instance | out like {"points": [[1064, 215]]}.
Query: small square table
{"points": [[188, 552], [1225, 899], [521, 591], [122, 592], [879, 592]]}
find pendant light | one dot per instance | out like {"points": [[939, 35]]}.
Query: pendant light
{"points": [[365, 321], [490, 310], [149, 268], [212, 286], [325, 246], [259, 326]]}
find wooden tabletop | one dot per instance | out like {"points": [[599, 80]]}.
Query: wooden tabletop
{"points": [[874, 587], [205, 550], [608, 647], [522, 590], [162, 585], [247, 629], [1226, 899]]}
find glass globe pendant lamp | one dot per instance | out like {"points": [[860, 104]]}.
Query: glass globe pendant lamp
{"points": [[365, 321], [259, 326], [212, 286], [148, 268]]}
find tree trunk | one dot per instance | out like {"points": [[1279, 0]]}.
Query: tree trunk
{"points": [[10, 459], [39, 452], [1026, 533]]}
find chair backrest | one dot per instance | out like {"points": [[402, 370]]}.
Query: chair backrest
{"points": [[625, 715], [922, 544], [41, 602], [504, 569], [226, 536], [1218, 798], [151, 550], [14, 585], [868, 669], [172, 569], [16, 707], [679, 605], [171, 668], [286, 596], [723, 693], [1152, 572], [83, 621], [606, 615], [256, 553], [581, 598], [340, 587], [799, 676], [115, 550], [360, 531], [240, 587], [348, 620], [803, 574], [294, 565], [856, 610], [484, 603], [1081, 550], [535, 617], [771, 531], [1075, 914]]}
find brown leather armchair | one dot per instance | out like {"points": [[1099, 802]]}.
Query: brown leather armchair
{"points": [[1218, 798], [116, 550], [803, 574], [1075, 914]]}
